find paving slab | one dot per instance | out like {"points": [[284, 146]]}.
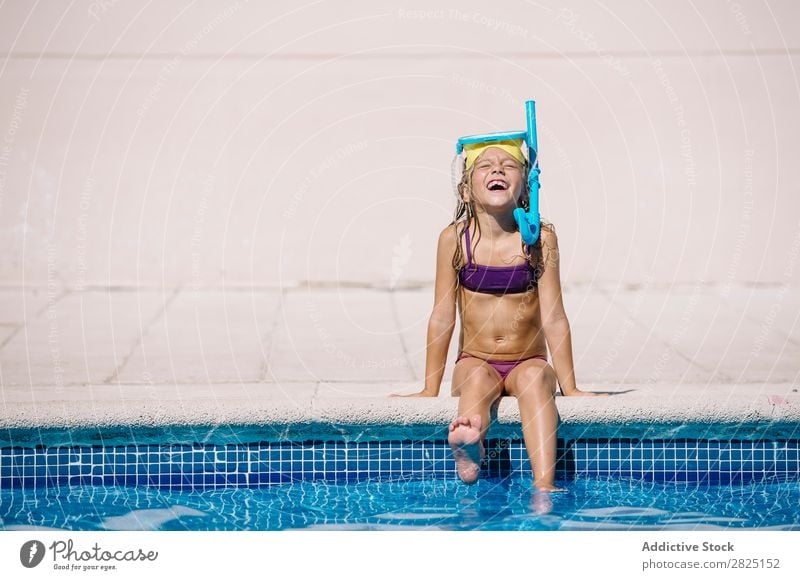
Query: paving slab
{"points": [[209, 335], [721, 345], [610, 346], [82, 338], [18, 306], [8, 330], [345, 334], [775, 311], [413, 312]]}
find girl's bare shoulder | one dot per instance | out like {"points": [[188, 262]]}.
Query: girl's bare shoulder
{"points": [[450, 234], [549, 241]]}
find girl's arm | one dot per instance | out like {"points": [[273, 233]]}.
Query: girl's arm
{"points": [[554, 318], [443, 318]]}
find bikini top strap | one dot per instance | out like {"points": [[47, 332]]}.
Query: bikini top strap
{"points": [[466, 239]]}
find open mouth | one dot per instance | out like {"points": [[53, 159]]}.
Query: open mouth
{"points": [[497, 185]]}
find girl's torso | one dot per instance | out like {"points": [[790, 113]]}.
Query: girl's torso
{"points": [[498, 304]]}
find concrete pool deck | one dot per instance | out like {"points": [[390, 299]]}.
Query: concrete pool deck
{"points": [[315, 362]]}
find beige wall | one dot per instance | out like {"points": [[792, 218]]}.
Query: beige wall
{"points": [[249, 143]]}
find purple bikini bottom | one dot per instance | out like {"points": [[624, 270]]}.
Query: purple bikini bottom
{"points": [[503, 367]]}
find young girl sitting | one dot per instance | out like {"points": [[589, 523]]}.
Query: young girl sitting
{"points": [[509, 299]]}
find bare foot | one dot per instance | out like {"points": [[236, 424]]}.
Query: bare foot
{"points": [[541, 503], [547, 487], [465, 441]]}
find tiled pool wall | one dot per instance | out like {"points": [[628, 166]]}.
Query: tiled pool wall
{"points": [[198, 466]]}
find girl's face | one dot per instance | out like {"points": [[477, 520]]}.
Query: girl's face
{"points": [[496, 179]]}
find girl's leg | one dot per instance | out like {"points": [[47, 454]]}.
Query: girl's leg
{"points": [[533, 383], [478, 386]]}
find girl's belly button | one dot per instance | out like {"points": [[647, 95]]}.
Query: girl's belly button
{"points": [[499, 339]]}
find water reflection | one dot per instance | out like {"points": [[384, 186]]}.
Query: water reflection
{"points": [[501, 504]]}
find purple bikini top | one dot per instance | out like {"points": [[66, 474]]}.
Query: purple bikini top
{"points": [[496, 279]]}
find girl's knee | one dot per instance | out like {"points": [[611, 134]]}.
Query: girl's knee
{"points": [[480, 380], [540, 381]]}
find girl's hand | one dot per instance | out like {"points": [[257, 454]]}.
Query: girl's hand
{"points": [[422, 393]]}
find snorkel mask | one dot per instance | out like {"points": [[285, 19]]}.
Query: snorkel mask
{"points": [[509, 141]]}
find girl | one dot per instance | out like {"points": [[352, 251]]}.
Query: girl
{"points": [[509, 299]]}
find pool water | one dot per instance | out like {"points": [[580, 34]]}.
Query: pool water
{"points": [[491, 504]]}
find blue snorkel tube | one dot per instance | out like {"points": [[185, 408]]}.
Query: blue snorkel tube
{"points": [[528, 222]]}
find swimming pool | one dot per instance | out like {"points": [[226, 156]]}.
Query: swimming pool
{"points": [[226, 479], [491, 504]]}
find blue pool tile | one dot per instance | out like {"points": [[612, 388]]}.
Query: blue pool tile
{"points": [[56, 469], [177, 466], [257, 479], [31, 482], [237, 479]]}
